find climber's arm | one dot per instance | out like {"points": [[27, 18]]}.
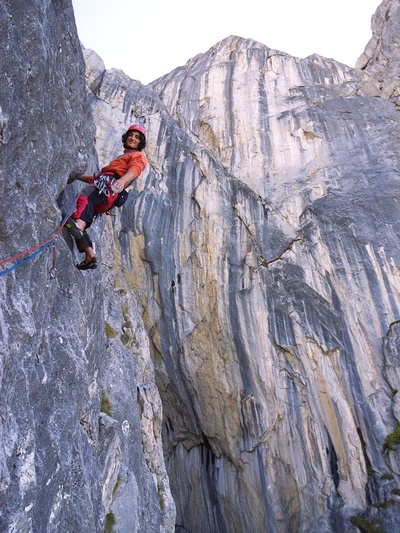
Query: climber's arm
{"points": [[80, 177]]}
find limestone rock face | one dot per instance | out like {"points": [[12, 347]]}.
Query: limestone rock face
{"points": [[246, 304], [265, 255], [381, 57], [73, 350]]}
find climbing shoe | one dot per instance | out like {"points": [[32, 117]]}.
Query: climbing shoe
{"points": [[87, 265], [71, 226]]}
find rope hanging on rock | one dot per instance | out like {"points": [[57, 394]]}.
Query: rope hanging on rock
{"points": [[39, 248]]}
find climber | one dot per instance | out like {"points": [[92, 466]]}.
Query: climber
{"points": [[105, 190]]}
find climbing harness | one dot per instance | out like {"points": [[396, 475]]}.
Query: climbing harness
{"points": [[106, 184], [39, 248]]}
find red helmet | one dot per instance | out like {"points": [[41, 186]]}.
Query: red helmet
{"points": [[137, 127]]}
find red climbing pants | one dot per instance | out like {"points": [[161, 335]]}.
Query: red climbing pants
{"points": [[91, 202]]}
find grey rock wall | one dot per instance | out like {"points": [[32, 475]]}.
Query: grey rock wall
{"points": [[76, 380], [381, 56], [264, 246], [246, 304]]}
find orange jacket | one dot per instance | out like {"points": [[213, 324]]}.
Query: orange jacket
{"points": [[130, 160]]}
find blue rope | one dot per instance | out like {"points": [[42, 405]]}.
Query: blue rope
{"points": [[26, 259], [46, 245]]}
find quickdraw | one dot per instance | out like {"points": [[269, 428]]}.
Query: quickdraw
{"points": [[103, 184], [53, 269]]}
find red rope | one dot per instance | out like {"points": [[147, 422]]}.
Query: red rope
{"points": [[28, 251], [46, 243]]}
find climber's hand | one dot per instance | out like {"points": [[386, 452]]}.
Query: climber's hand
{"points": [[117, 187], [73, 177]]}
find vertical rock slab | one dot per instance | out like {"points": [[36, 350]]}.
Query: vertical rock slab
{"points": [[263, 247], [47, 359], [65, 463], [139, 497], [274, 257], [381, 56]]}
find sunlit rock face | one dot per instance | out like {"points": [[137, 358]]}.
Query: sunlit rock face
{"points": [[381, 56], [265, 256]]}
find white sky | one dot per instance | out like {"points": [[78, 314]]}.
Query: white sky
{"points": [[149, 38]]}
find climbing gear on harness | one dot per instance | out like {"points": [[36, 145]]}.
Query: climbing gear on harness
{"points": [[103, 184], [71, 226], [87, 265], [52, 272]]}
